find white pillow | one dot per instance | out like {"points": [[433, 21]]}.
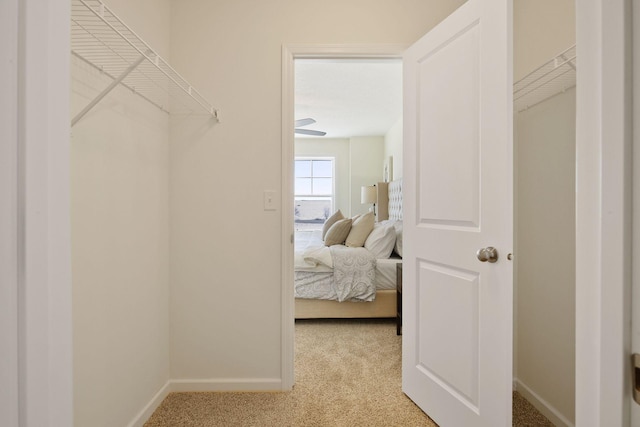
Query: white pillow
{"points": [[360, 229], [381, 240]]}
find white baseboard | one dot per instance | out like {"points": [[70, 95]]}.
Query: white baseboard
{"points": [[542, 405], [150, 407], [230, 385], [234, 384]]}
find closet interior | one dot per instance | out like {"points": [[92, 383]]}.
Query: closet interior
{"points": [[122, 215], [544, 237]]}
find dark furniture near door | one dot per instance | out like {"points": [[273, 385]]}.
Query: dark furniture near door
{"points": [[399, 298]]}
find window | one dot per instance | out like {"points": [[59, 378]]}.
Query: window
{"points": [[313, 191]]}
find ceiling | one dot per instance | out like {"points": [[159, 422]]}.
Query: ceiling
{"points": [[348, 97]]}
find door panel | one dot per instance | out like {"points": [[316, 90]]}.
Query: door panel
{"points": [[457, 339], [450, 147], [449, 355]]}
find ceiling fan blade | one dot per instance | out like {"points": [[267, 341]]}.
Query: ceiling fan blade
{"points": [[310, 132], [304, 122]]}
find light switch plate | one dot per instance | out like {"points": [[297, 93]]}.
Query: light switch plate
{"points": [[269, 200]]}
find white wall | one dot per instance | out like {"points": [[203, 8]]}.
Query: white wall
{"points": [[120, 238], [541, 30], [226, 318], [393, 148], [545, 249], [338, 148]]}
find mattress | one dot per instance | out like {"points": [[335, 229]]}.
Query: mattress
{"points": [[386, 273]]}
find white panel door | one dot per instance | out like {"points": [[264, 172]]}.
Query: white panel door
{"points": [[457, 339]]}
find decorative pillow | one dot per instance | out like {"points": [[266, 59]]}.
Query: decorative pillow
{"points": [[381, 240], [398, 227], [338, 232], [330, 221], [360, 230]]}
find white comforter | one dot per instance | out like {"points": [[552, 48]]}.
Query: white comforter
{"points": [[352, 279], [316, 258]]}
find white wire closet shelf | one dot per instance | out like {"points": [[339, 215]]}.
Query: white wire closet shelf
{"points": [[101, 39], [553, 77]]}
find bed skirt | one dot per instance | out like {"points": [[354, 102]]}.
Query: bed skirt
{"points": [[383, 306]]}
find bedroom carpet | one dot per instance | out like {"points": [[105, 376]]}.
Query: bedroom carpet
{"points": [[347, 374]]}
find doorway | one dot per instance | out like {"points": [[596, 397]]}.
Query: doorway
{"points": [[290, 55]]}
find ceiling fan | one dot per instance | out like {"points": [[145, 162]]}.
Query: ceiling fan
{"points": [[306, 122]]}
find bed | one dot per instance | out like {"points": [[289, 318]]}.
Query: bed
{"points": [[315, 305]]}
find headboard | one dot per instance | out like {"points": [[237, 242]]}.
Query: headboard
{"points": [[390, 200]]}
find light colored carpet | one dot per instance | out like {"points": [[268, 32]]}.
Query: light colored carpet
{"points": [[348, 373], [526, 415]]}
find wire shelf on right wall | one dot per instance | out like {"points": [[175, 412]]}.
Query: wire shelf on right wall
{"points": [[553, 77]]}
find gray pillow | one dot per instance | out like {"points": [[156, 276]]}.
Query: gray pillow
{"points": [[330, 221], [338, 232]]}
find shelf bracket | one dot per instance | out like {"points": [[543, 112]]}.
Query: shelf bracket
{"points": [[108, 89]]}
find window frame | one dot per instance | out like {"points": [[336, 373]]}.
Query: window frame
{"points": [[332, 196]]}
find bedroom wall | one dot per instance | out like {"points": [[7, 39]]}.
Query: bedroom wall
{"points": [[358, 162], [337, 148], [393, 148], [226, 318], [367, 154], [120, 238]]}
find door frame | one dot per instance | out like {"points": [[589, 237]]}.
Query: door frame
{"points": [[9, 364], [635, 124], [37, 338], [603, 212], [291, 52]]}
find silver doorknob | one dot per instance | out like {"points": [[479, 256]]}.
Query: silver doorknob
{"points": [[487, 254]]}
